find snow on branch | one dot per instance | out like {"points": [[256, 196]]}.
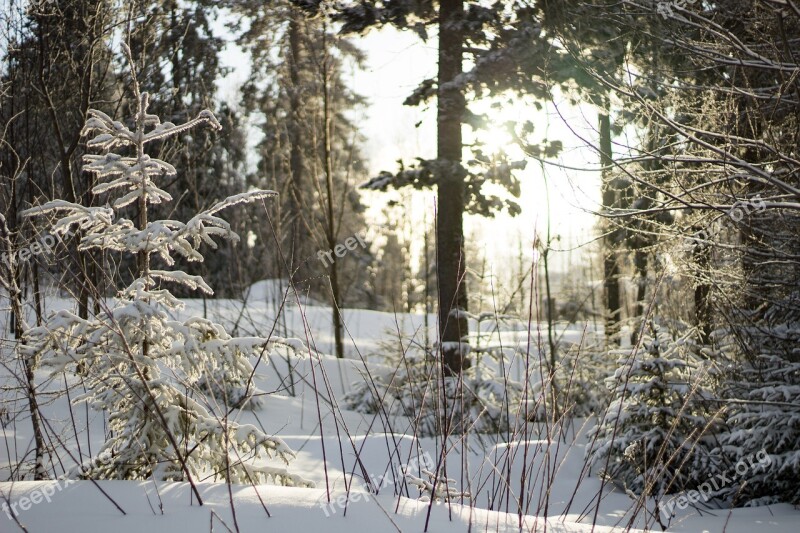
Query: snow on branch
{"points": [[201, 227], [168, 129], [178, 276], [436, 487], [112, 164], [89, 219], [243, 198], [110, 133]]}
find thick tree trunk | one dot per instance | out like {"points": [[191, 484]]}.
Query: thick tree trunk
{"points": [[453, 325]]}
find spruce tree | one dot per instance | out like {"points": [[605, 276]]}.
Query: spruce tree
{"points": [[650, 439], [765, 418], [142, 367]]}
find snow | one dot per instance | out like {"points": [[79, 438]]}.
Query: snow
{"points": [[169, 508], [360, 451]]}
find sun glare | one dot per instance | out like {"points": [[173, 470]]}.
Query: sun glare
{"points": [[496, 139], [496, 136]]}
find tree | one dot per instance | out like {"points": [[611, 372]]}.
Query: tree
{"points": [[596, 58], [765, 422], [650, 437], [57, 63], [310, 150], [179, 61], [485, 32], [141, 366], [450, 256], [9, 283], [728, 170]]}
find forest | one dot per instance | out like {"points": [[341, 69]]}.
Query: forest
{"points": [[411, 265]]}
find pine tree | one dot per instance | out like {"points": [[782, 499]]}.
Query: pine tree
{"points": [[508, 52], [142, 367], [650, 439], [180, 67], [765, 419]]}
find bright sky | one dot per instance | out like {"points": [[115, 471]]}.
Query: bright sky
{"points": [[397, 63]]}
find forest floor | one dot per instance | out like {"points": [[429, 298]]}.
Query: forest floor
{"points": [[337, 449]]}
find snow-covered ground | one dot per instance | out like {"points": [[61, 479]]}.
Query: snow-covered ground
{"points": [[339, 450]]}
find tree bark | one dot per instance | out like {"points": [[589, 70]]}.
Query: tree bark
{"points": [[296, 152], [702, 292], [450, 258], [640, 262], [336, 300], [610, 264]]}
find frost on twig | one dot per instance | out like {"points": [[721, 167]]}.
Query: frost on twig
{"points": [[437, 487]]}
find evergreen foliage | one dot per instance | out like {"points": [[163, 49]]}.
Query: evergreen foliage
{"points": [[142, 367], [652, 439]]}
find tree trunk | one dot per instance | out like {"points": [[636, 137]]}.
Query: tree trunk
{"points": [[640, 262], [331, 222], [427, 267], [296, 153], [610, 264], [450, 258], [702, 292], [20, 326]]}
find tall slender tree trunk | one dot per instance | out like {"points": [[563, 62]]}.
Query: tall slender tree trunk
{"points": [[450, 258], [143, 257], [34, 266], [702, 292], [87, 262], [13, 273], [640, 262], [29, 363], [296, 153], [610, 263], [331, 222], [427, 266], [642, 241]]}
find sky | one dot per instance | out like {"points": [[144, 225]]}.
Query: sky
{"points": [[397, 61]]}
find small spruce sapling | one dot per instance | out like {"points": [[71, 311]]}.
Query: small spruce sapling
{"points": [[146, 370], [651, 439]]}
